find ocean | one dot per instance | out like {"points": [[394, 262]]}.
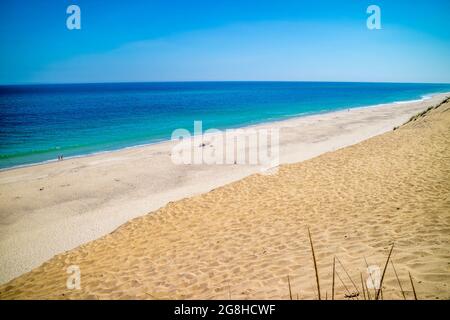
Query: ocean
{"points": [[40, 122]]}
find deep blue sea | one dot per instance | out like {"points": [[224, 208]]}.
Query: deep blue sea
{"points": [[40, 122]]}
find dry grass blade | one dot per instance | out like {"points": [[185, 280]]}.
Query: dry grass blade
{"points": [[315, 264], [412, 285], [362, 285], [368, 292], [332, 285], [345, 287], [384, 272], [290, 291], [350, 278], [398, 280]]}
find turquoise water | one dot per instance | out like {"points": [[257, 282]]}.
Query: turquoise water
{"points": [[40, 122]]}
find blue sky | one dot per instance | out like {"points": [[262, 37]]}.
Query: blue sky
{"points": [[197, 40]]}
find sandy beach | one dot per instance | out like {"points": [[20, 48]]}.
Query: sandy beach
{"points": [[245, 236]]}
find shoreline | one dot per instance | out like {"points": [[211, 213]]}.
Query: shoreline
{"points": [[262, 122], [54, 207]]}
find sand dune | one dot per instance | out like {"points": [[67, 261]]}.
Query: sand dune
{"points": [[245, 238]]}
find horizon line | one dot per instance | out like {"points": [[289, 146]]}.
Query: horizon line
{"points": [[206, 81]]}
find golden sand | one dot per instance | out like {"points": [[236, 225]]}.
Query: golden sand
{"points": [[243, 240]]}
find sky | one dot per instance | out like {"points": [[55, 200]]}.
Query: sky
{"points": [[218, 40]]}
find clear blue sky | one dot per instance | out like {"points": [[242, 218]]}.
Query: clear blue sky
{"points": [[153, 40]]}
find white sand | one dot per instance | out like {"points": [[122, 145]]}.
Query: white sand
{"points": [[84, 198]]}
